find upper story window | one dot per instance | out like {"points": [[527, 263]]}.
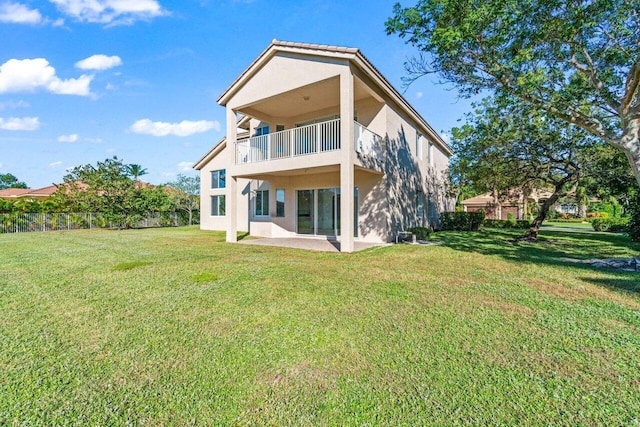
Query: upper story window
{"points": [[263, 130], [430, 153], [219, 178], [419, 145]]}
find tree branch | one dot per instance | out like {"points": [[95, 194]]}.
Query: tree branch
{"points": [[630, 88]]}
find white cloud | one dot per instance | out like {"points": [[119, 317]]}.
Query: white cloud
{"points": [[185, 166], [99, 62], [55, 164], [184, 128], [110, 12], [27, 75], [419, 95], [169, 174], [68, 138], [16, 123], [93, 140], [16, 13], [14, 105]]}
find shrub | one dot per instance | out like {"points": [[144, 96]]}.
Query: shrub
{"points": [[633, 227], [613, 225], [521, 224], [461, 221], [610, 209], [551, 215], [421, 233]]}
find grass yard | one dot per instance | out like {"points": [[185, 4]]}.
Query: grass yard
{"points": [[176, 327], [585, 225]]}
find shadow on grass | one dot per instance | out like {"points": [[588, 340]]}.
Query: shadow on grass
{"points": [[551, 248], [629, 284]]}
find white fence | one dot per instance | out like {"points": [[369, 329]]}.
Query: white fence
{"points": [[30, 222]]}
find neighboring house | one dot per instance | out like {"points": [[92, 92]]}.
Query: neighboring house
{"points": [[492, 210], [31, 194], [319, 143], [514, 203]]}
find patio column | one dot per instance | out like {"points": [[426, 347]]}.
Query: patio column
{"points": [[231, 208], [347, 180]]}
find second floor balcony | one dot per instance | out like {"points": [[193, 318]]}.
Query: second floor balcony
{"points": [[306, 140]]}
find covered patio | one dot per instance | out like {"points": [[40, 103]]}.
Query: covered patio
{"points": [[311, 244]]}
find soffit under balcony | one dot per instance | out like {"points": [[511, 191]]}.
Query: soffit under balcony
{"points": [[319, 96]]}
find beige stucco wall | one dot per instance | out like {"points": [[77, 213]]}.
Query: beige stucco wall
{"points": [[284, 72], [208, 222]]}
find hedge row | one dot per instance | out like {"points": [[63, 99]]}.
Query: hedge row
{"points": [[461, 221], [521, 224], [614, 225]]}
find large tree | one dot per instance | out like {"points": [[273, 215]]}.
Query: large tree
{"points": [[527, 147], [579, 60], [185, 193], [8, 180], [107, 188]]}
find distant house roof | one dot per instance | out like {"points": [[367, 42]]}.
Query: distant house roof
{"points": [[28, 193], [12, 193]]}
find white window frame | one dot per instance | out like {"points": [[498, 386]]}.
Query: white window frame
{"points": [[260, 195], [215, 183], [215, 201], [284, 200], [419, 148]]}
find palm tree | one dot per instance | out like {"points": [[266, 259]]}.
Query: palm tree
{"points": [[136, 171]]}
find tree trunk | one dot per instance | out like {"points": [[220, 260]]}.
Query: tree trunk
{"points": [[532, 234], [190, 216], [630, 144]]}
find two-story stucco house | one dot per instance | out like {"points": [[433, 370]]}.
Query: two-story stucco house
{"points": [[319, 144]]}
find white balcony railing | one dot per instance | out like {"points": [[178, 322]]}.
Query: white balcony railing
{"points": [[367, 142], [310, 139]]}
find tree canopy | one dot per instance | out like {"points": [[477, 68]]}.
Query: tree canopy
{"points": [[507, 144], [577, 60], [109, 189], [185, 194], [8, 180]]}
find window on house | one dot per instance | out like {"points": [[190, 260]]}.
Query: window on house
{"points": [[262, 203], [279, 128], [420, 205], [263, 130], [280, 202], [217, 205], [419, 145], [430, 153], [219, 178]]}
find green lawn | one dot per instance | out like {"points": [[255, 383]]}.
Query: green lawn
{"points": [[176, 327], [585, 225]]}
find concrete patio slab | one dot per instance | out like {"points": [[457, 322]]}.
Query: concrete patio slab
{"points": [[310, 244]]}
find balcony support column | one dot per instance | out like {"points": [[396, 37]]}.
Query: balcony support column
{"points": [[231, 207], [347, 155]]}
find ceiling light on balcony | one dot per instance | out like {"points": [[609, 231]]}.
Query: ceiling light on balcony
{"points": [[306, 98]]}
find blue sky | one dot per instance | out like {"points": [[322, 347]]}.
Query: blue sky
{"points": [[84, 80]]}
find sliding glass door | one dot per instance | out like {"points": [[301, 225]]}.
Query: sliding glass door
{"points": [[319, 212]]}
